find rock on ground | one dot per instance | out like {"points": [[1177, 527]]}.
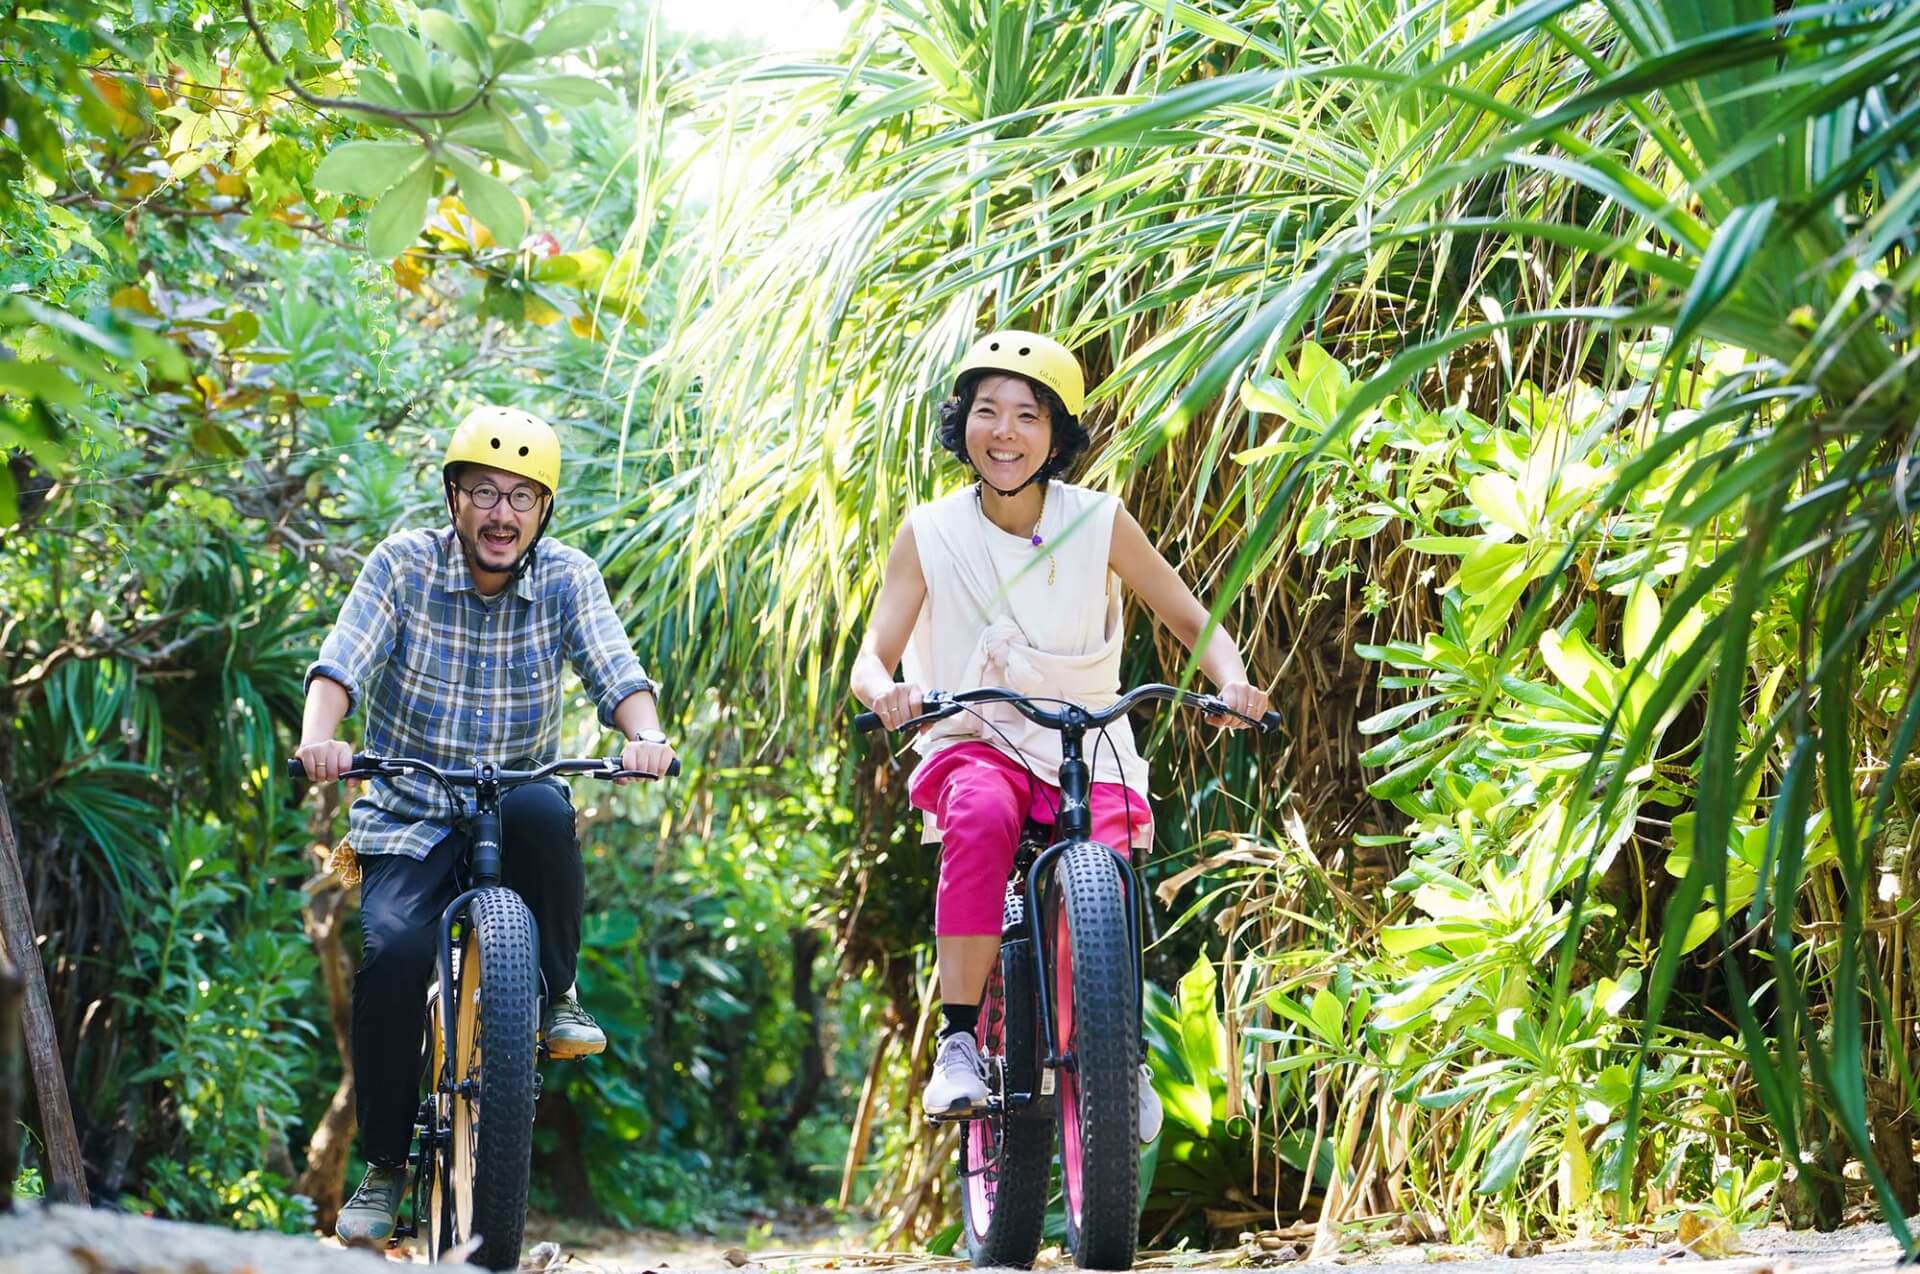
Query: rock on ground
{"points": [[59, 1238]]}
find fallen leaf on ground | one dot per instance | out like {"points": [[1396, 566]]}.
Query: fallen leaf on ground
{"points": [[543, 1257], [1709, 1237]]}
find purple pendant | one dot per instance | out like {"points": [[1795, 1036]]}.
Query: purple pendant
{"points": [[1037, 541]]}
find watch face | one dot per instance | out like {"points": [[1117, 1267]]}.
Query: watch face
{"points": [[649, 736]]}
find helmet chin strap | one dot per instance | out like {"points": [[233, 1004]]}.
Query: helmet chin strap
{"points": [[1006, 495]]}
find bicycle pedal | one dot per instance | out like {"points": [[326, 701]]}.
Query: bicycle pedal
{"points": [[958, 1116]]}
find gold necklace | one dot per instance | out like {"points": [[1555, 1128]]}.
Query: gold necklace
{"points": [[1033, 537]]}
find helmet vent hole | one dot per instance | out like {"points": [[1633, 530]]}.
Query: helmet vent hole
{"points": [[994, 346], [496, 444], [523, 451], [1024, 351]]}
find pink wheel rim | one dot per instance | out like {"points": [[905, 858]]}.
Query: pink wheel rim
{"points": [[1069, 1082]]}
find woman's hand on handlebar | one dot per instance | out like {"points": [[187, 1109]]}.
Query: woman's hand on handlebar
{"points": [[903, 701], [645, 758], [326, 760], [1248, 700]]}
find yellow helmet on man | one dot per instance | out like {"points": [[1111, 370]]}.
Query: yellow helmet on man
{"points": [[507, 439], [1039, 358]]}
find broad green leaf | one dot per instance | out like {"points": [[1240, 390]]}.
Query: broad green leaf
{"points": [[569, 90], [484, 14], [573, 26], [1403, 939], [1489, 567], [1575, 1171], [1498, 499], [1580, 668], [490, 200], [367, 169], [1329, 1017], [1503, 1165], [395, 219], [1639, 624], [44, 381], [455, 36]]}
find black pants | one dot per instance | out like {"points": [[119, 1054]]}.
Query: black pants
{"points": [[401, 900]]}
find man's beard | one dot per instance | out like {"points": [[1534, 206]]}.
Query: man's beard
{"points": [[477, 564]]}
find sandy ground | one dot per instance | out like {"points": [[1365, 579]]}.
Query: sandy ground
{"points": [[40, 1239]]}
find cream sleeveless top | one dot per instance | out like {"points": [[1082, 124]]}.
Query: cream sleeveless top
{"points": [[1044, 620]]}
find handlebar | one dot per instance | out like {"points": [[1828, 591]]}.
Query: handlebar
{"points": [[365, 766], [942, 704]]}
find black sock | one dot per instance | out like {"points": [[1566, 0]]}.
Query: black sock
{"points": [[959, 1019]]}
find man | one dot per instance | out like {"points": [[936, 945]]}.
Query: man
{"points": [[452, 643]]}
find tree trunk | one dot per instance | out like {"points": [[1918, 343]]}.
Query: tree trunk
{"points": [[813, 1057], [9, 1080], [325, 913], [66, 1173]]}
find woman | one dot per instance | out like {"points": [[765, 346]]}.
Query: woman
{"points": [[1011, 582]]}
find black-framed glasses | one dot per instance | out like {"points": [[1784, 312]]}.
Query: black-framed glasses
{"points": [[485, 496]]}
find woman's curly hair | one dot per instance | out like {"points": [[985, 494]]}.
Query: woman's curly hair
{"points": [[1070, 437]]}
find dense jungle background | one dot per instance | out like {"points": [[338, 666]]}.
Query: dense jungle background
{"points": [[1531, 385]]}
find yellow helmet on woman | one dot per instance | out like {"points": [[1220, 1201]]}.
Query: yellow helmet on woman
{"points": [[1031, 355], [510, 440]]}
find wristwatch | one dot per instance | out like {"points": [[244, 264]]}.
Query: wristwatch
{"points": [[647, 736]]}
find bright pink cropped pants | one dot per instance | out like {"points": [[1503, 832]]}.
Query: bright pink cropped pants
{"points": [[982, 797]]}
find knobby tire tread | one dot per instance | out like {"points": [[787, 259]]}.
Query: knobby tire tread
{"points": [[1106, 1046], [509, 1008]]}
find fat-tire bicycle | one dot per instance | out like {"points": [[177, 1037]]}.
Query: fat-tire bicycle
{"points": [[1060, 1020], [473, 1135]]}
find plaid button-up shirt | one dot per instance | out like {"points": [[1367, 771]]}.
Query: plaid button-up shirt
{"points": [[452, 677]]}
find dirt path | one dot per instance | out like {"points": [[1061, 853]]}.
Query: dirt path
{"points": [[66, 1240]]}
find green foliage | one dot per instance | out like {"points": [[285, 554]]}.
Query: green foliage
{"points": [[220, 994], [1562, 353]]}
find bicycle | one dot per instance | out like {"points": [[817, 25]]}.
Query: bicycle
{"points": [[1060, 1020], [482, 1026]]}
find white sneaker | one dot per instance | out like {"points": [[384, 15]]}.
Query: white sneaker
{"points": [[958, 1089], [1151, 1113]]}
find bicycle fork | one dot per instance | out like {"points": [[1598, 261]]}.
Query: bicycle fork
{"points": [[1075, 825]]}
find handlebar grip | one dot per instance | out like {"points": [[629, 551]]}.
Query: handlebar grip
{"points": [[1270, 723], [297, 769], [673, 768], [866, 722]]}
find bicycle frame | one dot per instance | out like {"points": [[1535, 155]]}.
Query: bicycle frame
{"points": [[1074, 824], [485, 854], [484, 864]]}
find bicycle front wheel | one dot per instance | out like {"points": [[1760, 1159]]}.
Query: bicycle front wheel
{"points": [[1096, 1027], [482, 1187]]}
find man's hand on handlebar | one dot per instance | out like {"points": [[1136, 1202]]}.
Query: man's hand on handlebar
{"points": [[903, 702], [650, 759], [326, 760], [1248, 700]]}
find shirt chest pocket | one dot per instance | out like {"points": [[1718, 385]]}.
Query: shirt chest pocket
{"points": [[529, 691], [430, 694]]}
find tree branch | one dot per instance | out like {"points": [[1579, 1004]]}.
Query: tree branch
{"points": [[405, 119]]}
